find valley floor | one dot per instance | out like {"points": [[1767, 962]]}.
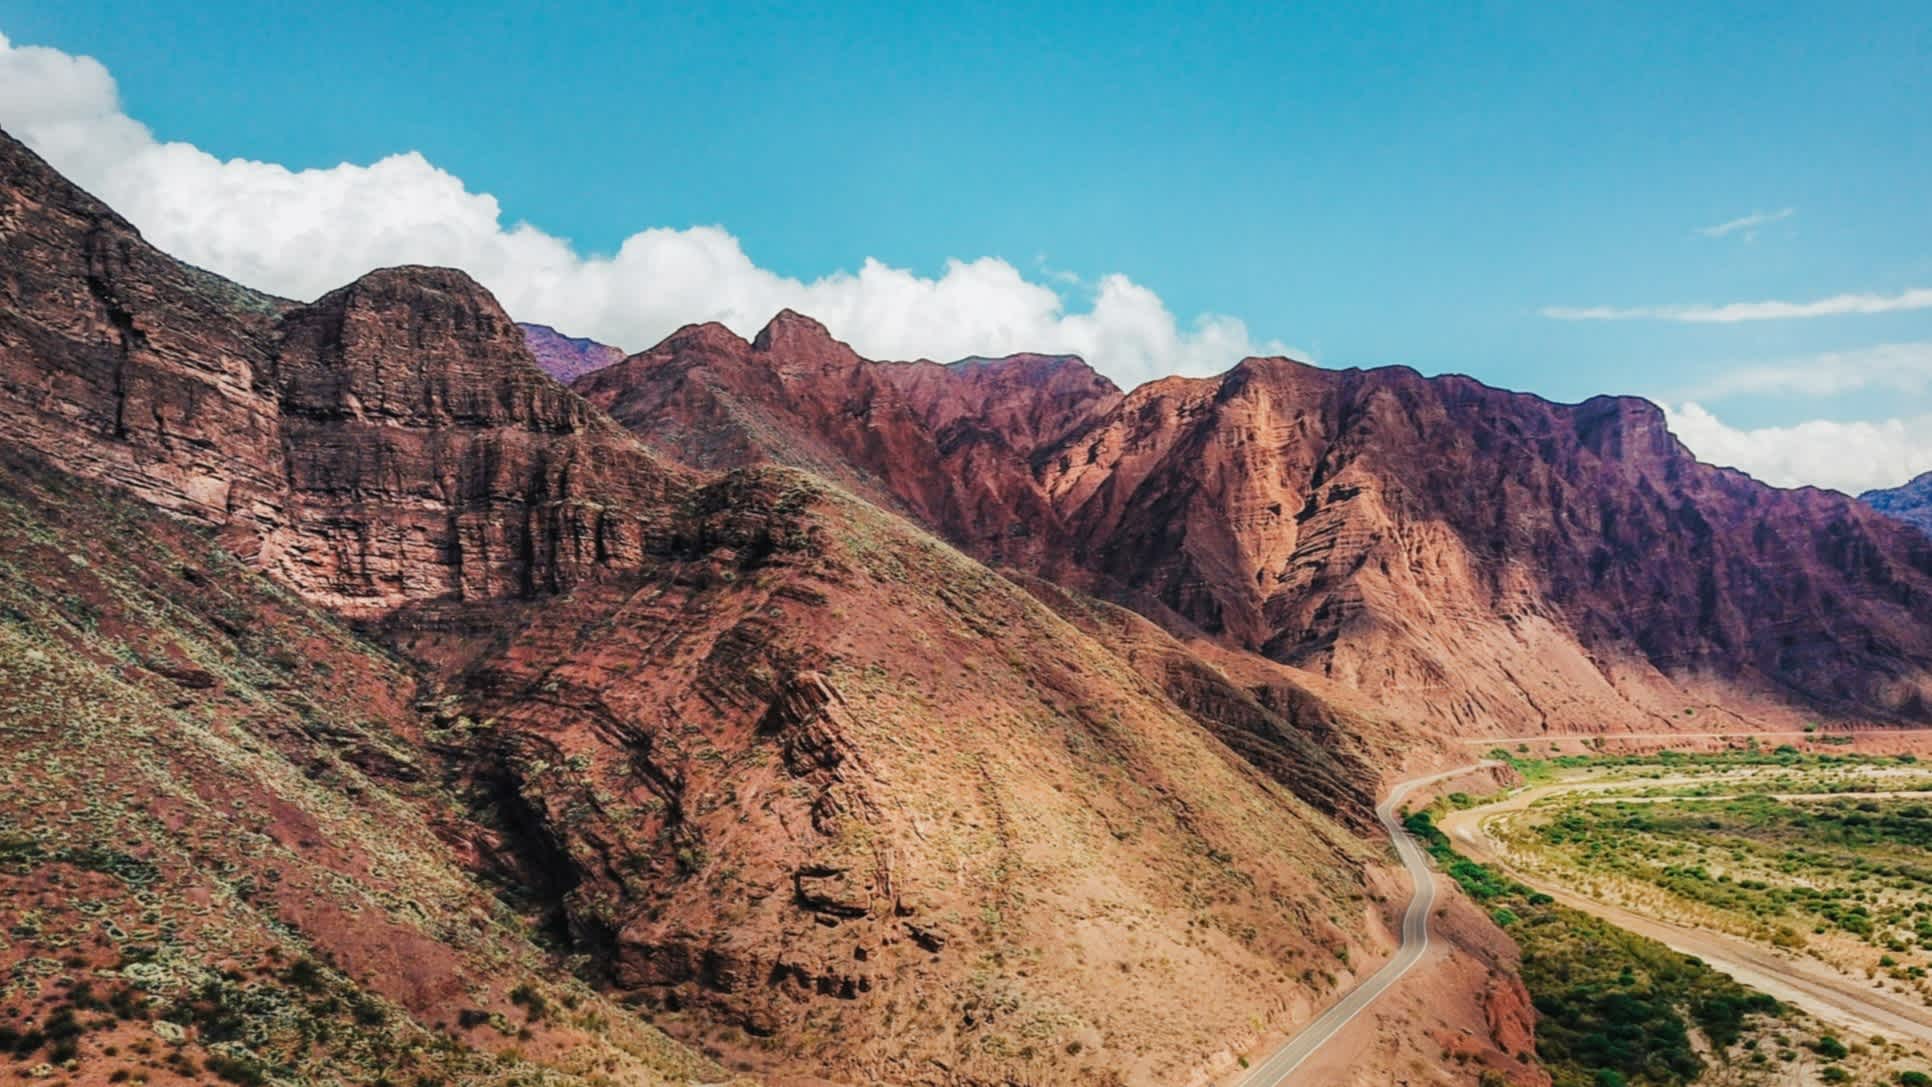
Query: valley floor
{"points": [[1803, 876]]}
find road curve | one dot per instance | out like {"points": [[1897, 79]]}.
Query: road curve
{"points": [[1280, 1065]]}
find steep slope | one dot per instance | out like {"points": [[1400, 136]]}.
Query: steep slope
{"points": [[833, 786], [1910, 502], [798, 397], [1491, 561], [225, 848], [824, 794], [567, 358]]}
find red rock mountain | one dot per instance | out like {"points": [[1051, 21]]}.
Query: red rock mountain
{"points": [[1492, 560], [392, 441], [752, 757], [1475, 559], [567, 358], [668, 661], [796, 396]]}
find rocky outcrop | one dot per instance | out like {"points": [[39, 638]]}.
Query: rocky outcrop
{"points": [[391, 442], [427, 456], [567, 358], [1910, 502], [1509, 1015], [125, 365]]}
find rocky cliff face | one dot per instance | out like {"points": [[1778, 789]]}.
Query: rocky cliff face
{"points": [[1474, 559], [392, 441], [427, 456], [1910, 503], [131, 366], [1492, 559], [567, 358]]}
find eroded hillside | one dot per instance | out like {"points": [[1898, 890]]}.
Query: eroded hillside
{"points": [[778, 770]]}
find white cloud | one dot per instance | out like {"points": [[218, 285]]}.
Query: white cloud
{"points": [[1846, 456], [1748, 223], [300, 233], [1838, 305], [1892, 367]]}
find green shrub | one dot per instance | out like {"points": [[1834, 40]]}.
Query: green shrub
{"points": [[237, 1070]]}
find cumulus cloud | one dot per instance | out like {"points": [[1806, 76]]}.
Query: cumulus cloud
{"points": [[1838, 305], [1848, 456], [300, 233], [1892, 367], [1748, 224]]}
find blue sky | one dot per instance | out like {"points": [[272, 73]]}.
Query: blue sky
{"points": [[1390, 183]]}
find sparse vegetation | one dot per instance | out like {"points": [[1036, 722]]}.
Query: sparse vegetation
{"points": [[1612, 1007], [213, 809]]}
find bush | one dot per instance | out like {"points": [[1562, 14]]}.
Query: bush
{"points": [[236, 1070], [1830, 1048]]}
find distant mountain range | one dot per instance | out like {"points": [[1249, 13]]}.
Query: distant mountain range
{"points": [[1911, 502], [567, 358]]}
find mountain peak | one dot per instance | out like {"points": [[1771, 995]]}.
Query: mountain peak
{"points": [[801, 339], [414, 315], [710, 336], [408, 277]]}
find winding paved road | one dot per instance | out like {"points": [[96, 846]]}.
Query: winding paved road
{"points": [[1281, 1064]]}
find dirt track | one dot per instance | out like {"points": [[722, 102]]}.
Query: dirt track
{"points": [[1803, 982], [1786, 734]]}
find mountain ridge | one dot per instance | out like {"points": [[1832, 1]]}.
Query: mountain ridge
{"points": [[1285, 507], [777, 769]]}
